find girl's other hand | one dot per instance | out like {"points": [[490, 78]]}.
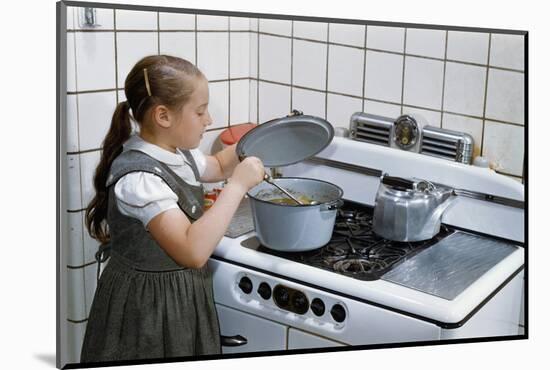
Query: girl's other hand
{"points": [[248, 173]]}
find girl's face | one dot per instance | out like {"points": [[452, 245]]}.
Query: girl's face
{"points": [[191, 121]]}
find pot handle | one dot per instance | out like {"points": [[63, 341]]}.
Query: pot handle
{"points": [[331, 206]]}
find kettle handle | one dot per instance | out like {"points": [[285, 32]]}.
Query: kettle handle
{"points": [[398, 182]]}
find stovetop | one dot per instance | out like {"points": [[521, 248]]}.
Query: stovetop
{"points": [[354, 250]]}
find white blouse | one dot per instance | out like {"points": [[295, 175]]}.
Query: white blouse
{"points": [[143, 195]]}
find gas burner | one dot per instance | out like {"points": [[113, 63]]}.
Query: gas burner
{"points": [[358, 266], [355, 250]]}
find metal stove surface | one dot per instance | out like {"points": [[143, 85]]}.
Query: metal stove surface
{"points": [[354, 250]]}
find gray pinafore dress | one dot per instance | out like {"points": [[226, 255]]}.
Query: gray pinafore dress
{"points": [[146, 305]]}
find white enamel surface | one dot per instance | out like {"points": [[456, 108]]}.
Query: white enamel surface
{"points": [[298, 339], [378, 291]]}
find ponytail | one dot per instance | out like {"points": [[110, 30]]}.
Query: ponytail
{"points": [[96, 212]]}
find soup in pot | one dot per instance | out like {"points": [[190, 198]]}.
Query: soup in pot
{"points": [[302, 198]]}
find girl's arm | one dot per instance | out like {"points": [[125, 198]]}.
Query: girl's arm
{"points": [[220, 166], [191, 245]]}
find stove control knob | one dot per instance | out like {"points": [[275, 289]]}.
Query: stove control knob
{"points": [[318, 307], [245, 284], [281, 296], [338, 313], [264, 290], [300, 303]]}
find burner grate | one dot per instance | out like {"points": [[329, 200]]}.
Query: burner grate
{"points": [[355, 250]]}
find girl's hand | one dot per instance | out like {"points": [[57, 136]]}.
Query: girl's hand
{"points": [[248, 173]]}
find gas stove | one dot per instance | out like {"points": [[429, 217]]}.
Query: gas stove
{"points": [[360, 289], [354, 250]]}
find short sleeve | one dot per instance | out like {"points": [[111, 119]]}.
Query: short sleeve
{"points": [[143, 195], [200, 160]]}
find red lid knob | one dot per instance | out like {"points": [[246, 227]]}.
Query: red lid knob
{"points": [[233, 134]]}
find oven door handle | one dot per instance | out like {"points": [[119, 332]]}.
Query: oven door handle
{"points": [[234, 341]]}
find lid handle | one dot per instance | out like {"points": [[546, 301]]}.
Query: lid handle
{"points": [[398, 182]]}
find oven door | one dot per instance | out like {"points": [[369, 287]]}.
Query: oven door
{"points": [[298, 339], [260, 334]]}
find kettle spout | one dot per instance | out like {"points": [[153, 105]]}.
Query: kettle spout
{"points": [[445, 199]]}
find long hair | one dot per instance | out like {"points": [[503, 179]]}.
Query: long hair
{"points": [[154, 80]]}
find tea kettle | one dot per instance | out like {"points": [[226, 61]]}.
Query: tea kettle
{"points": [[409, 210]]}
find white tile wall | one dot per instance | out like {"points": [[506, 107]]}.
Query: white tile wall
{"points": [[382, 109], [309, 65], [136, 20], [76, 300], [239, 101], [472, 47], [464, 89], [212, 22], [131, 47], [254, 24], [74, 198], [75, 336], [345, 70], [95, 111], [384, 79], [71, 63], [239, 24], [423, 82], [311, 30], [276, 26], [253, 113], [503, 145], [218, 104], [505, 96], [425, 42], [179, 44], [472, 126], [274, 101], [347, 34], [213, 54], [95, 60], [308, 102], [423, 116], [340, 108], [75, 255], [70, 17], [240, 55], [507, 51], [253, 55], [88, 164], [72, 124], [104, 19], [386, 38], [274, 59], [175, 21]]}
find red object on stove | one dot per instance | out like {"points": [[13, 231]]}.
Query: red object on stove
{"points": [[233, 134]]}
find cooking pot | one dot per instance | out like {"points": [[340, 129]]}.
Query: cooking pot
{"points": [[292, 227], [409, 210]]}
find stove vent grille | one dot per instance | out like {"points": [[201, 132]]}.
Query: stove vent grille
{"points": [[447, 144], [433, 141], [371, 128]]}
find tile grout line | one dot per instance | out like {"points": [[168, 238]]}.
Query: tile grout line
{"points": [[403, 71], [364, 87], [158, 33], [326, 74], [258, 77], [196, 44], [484, 118], [291, 62], [444, 77], [83, 251], [228, 72]]}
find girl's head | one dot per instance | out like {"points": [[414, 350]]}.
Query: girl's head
{"points": [[168, 98]]}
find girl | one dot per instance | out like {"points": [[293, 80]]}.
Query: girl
{"points": [[154, 298]]}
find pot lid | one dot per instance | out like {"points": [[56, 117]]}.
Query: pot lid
{"points": [[288, 140]]}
